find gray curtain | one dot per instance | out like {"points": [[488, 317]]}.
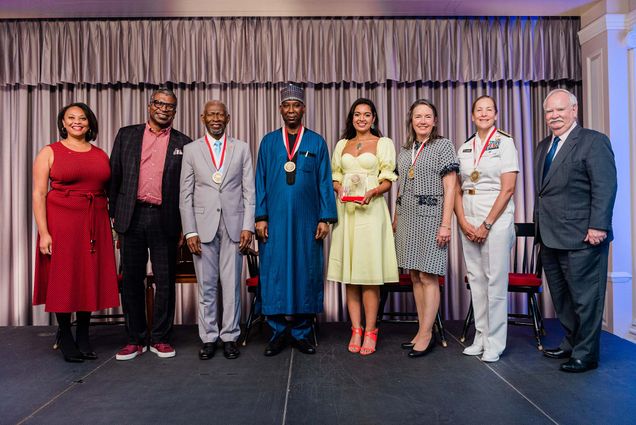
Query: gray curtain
{"points": [[324, 50], [47, 64]]}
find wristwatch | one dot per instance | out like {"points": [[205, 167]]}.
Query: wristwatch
{"points": [[487, 226]]}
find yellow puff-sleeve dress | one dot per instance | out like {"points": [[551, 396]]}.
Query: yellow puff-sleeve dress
{"points": [[362, 245]]}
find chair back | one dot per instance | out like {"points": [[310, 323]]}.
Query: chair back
{"points": [[185, 264], [525, 252], [252, 262]]}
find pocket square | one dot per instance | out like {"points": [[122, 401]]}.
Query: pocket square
{"points": [[177, 151]]}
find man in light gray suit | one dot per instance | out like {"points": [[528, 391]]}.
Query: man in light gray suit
{"points": [[575, 180], [217, 212]]}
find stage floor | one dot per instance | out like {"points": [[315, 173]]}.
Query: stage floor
{"points": [[331, 387]]}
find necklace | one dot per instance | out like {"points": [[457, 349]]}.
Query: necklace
{"points": [[360, 143]]}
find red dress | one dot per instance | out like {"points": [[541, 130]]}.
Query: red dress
{"points": [[80, 274]]}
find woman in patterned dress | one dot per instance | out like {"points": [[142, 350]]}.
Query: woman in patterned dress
{"points": [[427, 169], [362, 254], [75, 261]]}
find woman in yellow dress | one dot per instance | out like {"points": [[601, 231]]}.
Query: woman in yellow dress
{"points": [[362, 252]]}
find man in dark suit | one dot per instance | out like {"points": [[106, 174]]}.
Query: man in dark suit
{"points": [[144, 204], [575, 180]]}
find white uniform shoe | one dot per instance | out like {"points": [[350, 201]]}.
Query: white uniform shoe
{"points": [[489, 357], [473, 350]]}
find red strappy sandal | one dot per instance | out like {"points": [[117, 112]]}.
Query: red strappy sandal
{"points": [[373, 335], [353, 348]]}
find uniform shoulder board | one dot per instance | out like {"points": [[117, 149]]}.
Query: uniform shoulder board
{"points": [[504, 133], [471, 137]]}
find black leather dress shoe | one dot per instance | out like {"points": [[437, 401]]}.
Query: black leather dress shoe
{"points": [[304, 346], [415, 353], [407, 345], [230, 350], [90, 355], [73, 358], [557, 353], [576, 365], [275, 346], [207, 351]]}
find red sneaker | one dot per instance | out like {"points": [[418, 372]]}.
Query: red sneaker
{"points": [[130, 351], [163, 350]]}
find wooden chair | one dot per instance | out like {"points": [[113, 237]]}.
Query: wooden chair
{"points": [[255, 315], [115, 318], [405, 285], [184, 274], [526, 279], [251, 283]]}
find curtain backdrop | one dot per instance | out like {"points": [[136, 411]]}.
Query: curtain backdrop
{"points": [[325, 50], [47, 64]]}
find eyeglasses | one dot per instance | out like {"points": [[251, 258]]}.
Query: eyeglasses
{"points": [[163, 105]]}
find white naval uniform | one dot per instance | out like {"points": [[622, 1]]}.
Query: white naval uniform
{"points": [[488, 264]]}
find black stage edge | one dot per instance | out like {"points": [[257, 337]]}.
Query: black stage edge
{"points": [[331, 387]]}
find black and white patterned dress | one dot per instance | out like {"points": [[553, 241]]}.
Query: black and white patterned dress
{"points": [[419, 206]]}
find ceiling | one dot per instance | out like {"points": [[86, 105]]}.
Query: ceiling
{"points": [[30, 9]]}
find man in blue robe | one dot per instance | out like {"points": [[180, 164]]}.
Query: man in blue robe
{"points": [[294, 205]]}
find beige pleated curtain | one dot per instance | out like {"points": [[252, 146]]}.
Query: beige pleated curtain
{"points": [[113, 65]]}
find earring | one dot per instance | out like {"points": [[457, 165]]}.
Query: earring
{"points": [[89, 135], [63, 133], [373, 126]]}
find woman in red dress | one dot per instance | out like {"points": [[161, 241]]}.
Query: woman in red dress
{"points": [[75, 261]]}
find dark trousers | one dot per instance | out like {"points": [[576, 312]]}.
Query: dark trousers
{"points": [[577, 281], [299, 326], [146, 233]]}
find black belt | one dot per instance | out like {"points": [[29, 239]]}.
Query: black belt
{"points": [[142, 204]]}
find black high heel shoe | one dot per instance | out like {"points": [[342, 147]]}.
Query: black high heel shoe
{"points": [[68, 348], [415, 353], [82, 336]]}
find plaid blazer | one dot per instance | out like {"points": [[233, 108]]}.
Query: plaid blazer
{"points": [[124, 164]]}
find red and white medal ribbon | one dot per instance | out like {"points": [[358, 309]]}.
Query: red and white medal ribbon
{"points": [[222, 159], [292, 152], [217, 177], [414, 154], [483, 149]]}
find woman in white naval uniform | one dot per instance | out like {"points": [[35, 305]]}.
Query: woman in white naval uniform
{"points": [[485, 213]]}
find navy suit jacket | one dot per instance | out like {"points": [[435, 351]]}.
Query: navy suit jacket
{"points": [[124, 163], [577, 193]]}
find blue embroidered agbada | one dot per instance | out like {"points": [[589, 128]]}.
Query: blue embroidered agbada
{"points": [[291, 261]]}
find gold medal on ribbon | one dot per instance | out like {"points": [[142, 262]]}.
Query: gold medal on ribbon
{"points": [[474, 176], [411, 173], [217, 177], [290, 165]]}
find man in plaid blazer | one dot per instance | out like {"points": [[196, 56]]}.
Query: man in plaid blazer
{"points": [[144, 204]]}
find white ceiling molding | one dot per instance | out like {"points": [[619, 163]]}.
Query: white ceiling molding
{"points": [[605, 23], [72, 9]]}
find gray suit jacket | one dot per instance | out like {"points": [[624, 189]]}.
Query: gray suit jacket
{"points": [[202, 201], [577, 193]]}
